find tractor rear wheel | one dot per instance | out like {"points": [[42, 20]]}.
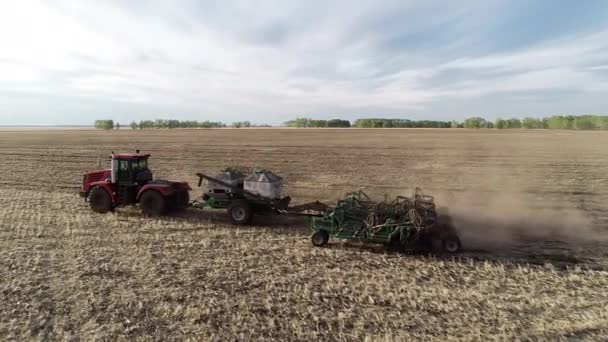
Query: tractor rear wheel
{"points": [[319, 238], [153, 203], [100, 200], [240, 212], [182, 198]]}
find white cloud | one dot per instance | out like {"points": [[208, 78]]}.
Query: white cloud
{"points": [[273, 58], [561, 64]]}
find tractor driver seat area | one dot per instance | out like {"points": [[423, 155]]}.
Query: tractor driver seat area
{"points": [[143, 176]]}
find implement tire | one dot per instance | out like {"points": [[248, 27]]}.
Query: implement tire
{"points": [[100, 200], [319, 238], [240, 212], [450, 244], [153, 203], [395, 245]]}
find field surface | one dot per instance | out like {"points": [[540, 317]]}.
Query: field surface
{"points": [[530, 206]]}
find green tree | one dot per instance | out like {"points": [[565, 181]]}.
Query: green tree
{"points": [[338, 123], [569, 121], [134, 125], [317, 123], [104, 124], [475, 122], [532, 123], [556, 122], [363, 123], [584, 122], [298, 122], [146, 124], [513, 123], [239, 124], [602, 122], [500, 123]]}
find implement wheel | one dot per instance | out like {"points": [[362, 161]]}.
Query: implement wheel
{"points": [[319, 238], [451, 244], [153, 203], [240, 212], [99, 200], [395, 244]]}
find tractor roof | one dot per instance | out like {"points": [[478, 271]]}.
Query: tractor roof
{"points": [[130, 156]]}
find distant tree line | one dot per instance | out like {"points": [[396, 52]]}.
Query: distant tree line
{"points": [[400, 123], [170, 124], [583, 122], [307, 122], [579, 122], [509, 123], [477, 122], [239, 124]]}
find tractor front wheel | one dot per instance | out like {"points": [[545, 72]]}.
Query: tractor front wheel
{"points": [[319, 238], [240, 212], [100, 200], [153, 203]]}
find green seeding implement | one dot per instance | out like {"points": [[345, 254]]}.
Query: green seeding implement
{"points": [[407, 223]]}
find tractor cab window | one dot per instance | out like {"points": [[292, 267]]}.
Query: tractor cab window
{"points": [[123, 165], [123, 174], [140, 164]]}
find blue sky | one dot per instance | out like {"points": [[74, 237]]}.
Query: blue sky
{"points": [[70, 62]]}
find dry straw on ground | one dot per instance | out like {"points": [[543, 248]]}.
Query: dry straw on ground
{"points": [[66, 272]]}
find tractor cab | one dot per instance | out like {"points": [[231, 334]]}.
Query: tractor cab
{"points": [[130, 169]]}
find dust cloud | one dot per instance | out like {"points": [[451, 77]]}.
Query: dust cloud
{"points": [[493, 219]]}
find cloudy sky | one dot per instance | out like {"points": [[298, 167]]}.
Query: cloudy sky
{"points": [[69, 62]]}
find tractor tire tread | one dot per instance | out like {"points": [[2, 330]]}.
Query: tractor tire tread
{"points": [[99, 200], [153, 203]]}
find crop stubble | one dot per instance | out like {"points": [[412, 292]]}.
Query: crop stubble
{"points": [[530, 205]]}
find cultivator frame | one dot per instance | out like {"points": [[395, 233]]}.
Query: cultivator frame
{"points": [[409, 223]]}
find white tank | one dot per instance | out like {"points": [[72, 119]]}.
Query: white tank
{"points": [[264, 183], [228, 176]]}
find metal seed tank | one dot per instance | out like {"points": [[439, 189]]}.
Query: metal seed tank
{"points": [[264, 183], [229, 176]]}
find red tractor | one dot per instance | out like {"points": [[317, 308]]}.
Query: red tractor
{"points": [[128, 182]]}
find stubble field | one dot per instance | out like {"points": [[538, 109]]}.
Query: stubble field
{"points": [[530, 207]]}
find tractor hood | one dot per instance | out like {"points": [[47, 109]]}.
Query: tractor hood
{"points": [[90, 179], [96, 176]]}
